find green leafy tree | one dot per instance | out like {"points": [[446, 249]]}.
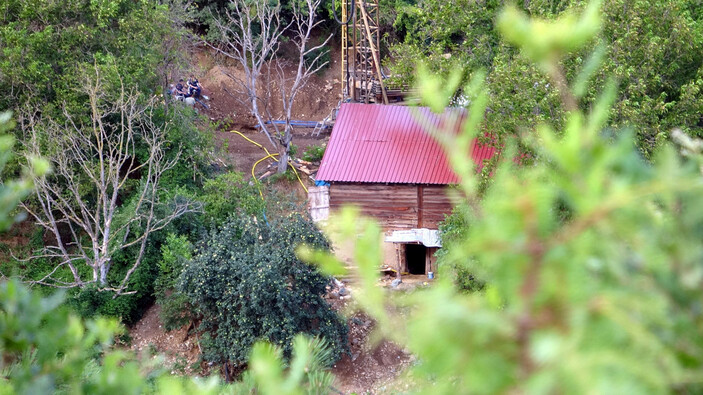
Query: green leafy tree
{"points": [[15, 190], [653, 50], [46, 349], [248, 285], [175, 310], [591, 255], [44, 43], [229, 194]]}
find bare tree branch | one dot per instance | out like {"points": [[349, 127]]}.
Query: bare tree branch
{"points": [[250, 33], [79, 204]]}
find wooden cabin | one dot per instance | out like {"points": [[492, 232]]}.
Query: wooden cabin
{"points": [[382, 159]]}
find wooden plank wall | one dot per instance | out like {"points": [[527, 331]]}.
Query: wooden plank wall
{"points": [[435, 204], [395, 206]]}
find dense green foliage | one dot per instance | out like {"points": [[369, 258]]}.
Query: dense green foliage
{"points": [[50, 51], [576, 273], [45, 349], [653, 49], [453, 231], [229, 194], [175, 252], [591, 255], [45, 43], [248, 285], [15, 190]]}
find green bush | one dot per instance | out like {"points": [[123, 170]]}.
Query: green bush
{"points": [[90, 302], [175, 310], [248, 284], [189, 136], [45, 349], [452, 231], [228, 194], [314, 153]]}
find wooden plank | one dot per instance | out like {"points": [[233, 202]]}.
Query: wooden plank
{"points": [[435, 204], [420, 207], [395, 206], [431, 264]]}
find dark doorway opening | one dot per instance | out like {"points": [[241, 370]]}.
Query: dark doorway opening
{"points": [[415, 258]]}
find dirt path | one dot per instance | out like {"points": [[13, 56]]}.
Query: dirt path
{"points": [[370, 368], [242, 154]]}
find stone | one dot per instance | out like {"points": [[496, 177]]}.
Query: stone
{"points": [[396, 282], [343, 292]]}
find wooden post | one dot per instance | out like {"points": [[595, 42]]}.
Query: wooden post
{"points": [[431, 260], [419, 206], [400, 248], [428, 260]]}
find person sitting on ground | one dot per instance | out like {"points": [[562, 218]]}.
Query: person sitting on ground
{"points": [[181, 89], [194, 87]]}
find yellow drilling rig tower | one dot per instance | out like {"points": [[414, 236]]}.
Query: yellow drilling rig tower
{"points": [[362, 76]]}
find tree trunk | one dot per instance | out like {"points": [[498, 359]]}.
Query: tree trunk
{"points": [[284, 146], [103, 274], [283, 158]]}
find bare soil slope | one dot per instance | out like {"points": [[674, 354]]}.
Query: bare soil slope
{"points": [[229, 109]]}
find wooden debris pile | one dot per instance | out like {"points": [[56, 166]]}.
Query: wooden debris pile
{"points": [[302, 166]]}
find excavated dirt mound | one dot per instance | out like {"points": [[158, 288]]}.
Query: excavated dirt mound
{"points": [[228, 102], [228, 109], [370, 368], [180, 349]]}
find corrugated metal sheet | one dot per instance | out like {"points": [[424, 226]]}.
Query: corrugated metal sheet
{"points": [[389, 144]]}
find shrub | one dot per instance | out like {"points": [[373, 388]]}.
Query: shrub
{"points": [[453, 230], [45, 349], [248, 284], [91, 302], [292, 150], [174, 305], [229, 194], [314, 153]]}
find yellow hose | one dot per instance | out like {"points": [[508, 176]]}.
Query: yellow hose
{"points": [[258, 183], [297, 175], [268, 155], [251, 141]]}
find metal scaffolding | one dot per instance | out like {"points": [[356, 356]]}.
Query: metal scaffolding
{"points": [[362, 78]]}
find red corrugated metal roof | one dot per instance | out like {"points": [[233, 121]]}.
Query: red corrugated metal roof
{"points": [[389, 144]]}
